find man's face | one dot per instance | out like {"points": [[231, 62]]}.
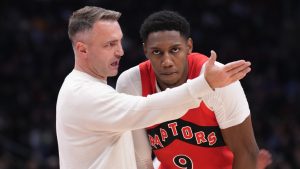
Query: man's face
{"points": [[104, 48], [167, 52]]}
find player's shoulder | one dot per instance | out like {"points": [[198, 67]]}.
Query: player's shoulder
{"points": [[197, 55], [233, 91], [129, 81], [134, 71], [130, 74]]}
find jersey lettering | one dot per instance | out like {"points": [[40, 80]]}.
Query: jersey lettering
{"points": [[173, 126], [165, 133]]}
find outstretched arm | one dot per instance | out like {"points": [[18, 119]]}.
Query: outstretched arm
{"points": [[146, 112]]}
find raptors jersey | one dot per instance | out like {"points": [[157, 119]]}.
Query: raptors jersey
{"points": [[194, 141]]}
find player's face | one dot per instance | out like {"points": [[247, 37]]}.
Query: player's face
{"points": [[167, 52], [104, 49]]}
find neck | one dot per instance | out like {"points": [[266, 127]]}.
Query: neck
{"points": [[163, 86], [86, 69]]}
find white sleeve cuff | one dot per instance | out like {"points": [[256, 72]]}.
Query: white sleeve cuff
{"points": [[236, 121], [199, 87]]}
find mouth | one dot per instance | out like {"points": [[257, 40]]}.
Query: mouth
{"points": [[168, 73], [115, 64]]}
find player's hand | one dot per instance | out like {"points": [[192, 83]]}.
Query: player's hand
{"points": [[264, 159], [220, 76]]}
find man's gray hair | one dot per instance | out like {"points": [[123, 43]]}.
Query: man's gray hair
{"points": [[84, 19]]}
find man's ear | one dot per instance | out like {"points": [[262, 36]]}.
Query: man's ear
{"points": [[190, 45], [145, 50], [81, 48]]}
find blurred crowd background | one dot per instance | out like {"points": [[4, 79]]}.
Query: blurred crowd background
{"points": [[36, 55]]}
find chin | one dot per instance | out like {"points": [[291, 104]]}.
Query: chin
{"points": [[171, 83], [113, 74]]}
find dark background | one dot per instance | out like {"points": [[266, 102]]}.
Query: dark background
{"points": [[36, 55]]}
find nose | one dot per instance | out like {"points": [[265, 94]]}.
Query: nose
{"points": [[167, 60], [119, 51]]}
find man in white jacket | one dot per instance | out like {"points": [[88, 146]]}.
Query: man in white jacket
{"points": [[93, 121]]}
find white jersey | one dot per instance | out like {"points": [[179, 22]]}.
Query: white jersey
{"points": [[228, 103], [94, 122]]}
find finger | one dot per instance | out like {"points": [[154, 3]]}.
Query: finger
{"points": [[233, 65], [240, 75], [212, 58], [239, 68]]}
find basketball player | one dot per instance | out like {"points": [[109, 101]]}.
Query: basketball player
{"points": [[217, 134]]}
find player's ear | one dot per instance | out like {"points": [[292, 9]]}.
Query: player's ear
{"points": [[190, 45], [145, 50]]}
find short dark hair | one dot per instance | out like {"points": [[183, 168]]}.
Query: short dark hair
{"points": [[165, 21], [83, 19]]}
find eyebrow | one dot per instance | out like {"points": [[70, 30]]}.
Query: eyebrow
{"points": [[111, 41], [172, 46]]}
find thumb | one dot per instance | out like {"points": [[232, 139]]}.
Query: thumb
{"points": [[212, 58]]}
